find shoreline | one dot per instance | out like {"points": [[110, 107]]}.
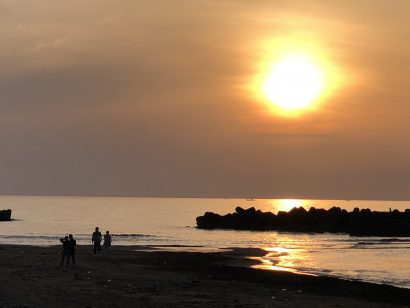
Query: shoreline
{"points": [[146, 276]]}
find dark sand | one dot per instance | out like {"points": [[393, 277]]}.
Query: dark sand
{"points": [[132, 277]]}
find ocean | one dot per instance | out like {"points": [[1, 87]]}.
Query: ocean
{"points": [[170, 223]]}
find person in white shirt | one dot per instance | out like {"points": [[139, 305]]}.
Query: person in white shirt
{"points": [[107, 242]]}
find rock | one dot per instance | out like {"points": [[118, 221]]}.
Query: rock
{"points": [[5, 215]]}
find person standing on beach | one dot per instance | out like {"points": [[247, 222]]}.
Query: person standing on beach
{"points": [[66, 250], [96, 239], [107, 242], [72, 243]]}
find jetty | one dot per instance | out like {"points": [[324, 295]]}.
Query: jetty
{"points": [[359, 222]]}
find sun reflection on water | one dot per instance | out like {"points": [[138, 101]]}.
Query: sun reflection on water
{"points": [[281, 259], [288, 204]]}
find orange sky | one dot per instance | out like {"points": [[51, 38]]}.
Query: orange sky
{"points": [[151, 98]]}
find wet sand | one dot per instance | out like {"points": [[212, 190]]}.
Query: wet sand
{"points": [[138, 276]]}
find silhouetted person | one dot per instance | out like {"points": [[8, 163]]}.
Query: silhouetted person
{"points": [[72, 243], [96, 239], [66, 250], [107, 242]]}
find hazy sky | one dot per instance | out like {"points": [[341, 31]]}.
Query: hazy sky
{"points": [[151, 98]]}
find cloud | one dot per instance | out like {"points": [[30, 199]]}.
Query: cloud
{"points": [[151, 98]]}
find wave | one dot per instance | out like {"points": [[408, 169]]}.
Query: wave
{"points": [[133, 235], [80, 236], [45, 237], [384, 241]]}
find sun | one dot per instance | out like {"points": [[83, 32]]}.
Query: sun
{"points": [[293, 82]]}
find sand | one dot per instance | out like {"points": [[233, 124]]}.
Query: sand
{"points": [[137, 276]]}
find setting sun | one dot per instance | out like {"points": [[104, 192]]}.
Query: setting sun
{"points": [[293, 82]]}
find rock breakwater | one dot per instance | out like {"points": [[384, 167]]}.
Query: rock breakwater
{"points": [[359, 222]]}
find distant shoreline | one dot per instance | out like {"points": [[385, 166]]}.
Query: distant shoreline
{"points": [[145, 276]]}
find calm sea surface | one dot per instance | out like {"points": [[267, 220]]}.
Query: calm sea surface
{"points": [[165, 221]]}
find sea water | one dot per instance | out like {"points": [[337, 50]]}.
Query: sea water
{"points": [[170, 222]]}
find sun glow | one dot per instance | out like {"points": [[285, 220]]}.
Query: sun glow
{"points": [[288, 204], [294, 76]]}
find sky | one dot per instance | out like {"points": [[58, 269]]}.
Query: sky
{"points": [[152, 98]]}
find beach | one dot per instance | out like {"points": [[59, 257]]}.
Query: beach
{"points": [[146, 276]]}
